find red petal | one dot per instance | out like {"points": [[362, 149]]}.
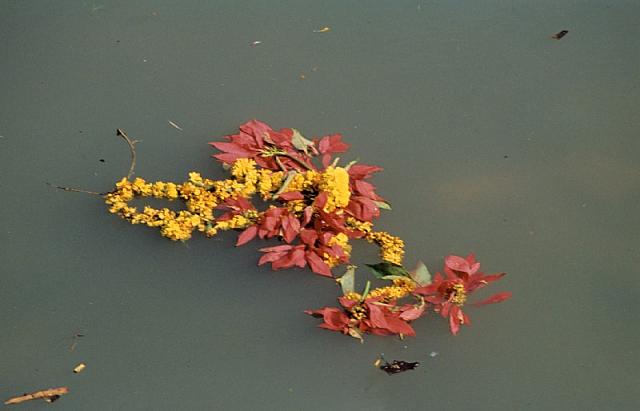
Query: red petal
{"points": [[493, 277], [366, 189], [454, 321], [399, 326], [496, 298], [308, 213], [335, 318], [231, 148], [376, 315], [308, 237], [362, 171], [318, 265], [457, 263], [270, 257], [291, 195], [277, 248], [290, 227], [228, 157], [247, 235], [332, 144], [412, 313], [321, 200], [326, 160]]}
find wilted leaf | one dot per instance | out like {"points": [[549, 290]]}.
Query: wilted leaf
{"points": [[421, 274], [384, 269], [382, 204], [299, 142], [397, 366], [347, 281], [356, 334]]}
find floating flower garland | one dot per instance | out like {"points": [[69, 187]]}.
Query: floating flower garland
{"points": [[316, 211]]}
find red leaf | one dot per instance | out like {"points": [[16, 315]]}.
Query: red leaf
{"points": [[318, 265], [332, 144], [326, 160], [290, 228], [496, 298], [269, 258], [227, 157], [231, 148], [291, 195], [362, 171], [247, 235], [376, 316], [321, 200], [454, 322], [306, 217], [308, 237], [493, 277], [277, 248], [399, 326], [412, 313], [334, 318], [366, 189], [256, 128]]}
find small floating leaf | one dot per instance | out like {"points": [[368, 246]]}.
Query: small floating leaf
{"points": [[421, 274], [300, 142], [386, 268], [382, 204], [347, 281]]}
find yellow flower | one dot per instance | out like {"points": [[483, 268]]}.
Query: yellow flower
{"points": [[243, 167], [335, 182], [391, 247]]}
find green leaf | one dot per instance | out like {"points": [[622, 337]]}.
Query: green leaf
{"points": [[365, 293], [347, 281], [386, 268], [421, 274], [300, 142], [382, 204]]}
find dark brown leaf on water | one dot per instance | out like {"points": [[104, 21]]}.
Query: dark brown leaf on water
{"points": [[396, 366], [560, 34]]}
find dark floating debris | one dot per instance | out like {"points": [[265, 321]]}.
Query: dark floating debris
{"points": [[395, 366], [560, 34]]}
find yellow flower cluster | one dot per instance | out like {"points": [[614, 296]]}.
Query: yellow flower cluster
{"points": [[269, 182], [240, 221], [400, 288], [200, 195], [391, 247], [175, 226], [355, 224], [353, 296], [302, 181], [458, 294], [335, 182], [342, 240]]}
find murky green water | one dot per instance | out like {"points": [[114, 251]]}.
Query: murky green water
{"points": [[494, 137]]}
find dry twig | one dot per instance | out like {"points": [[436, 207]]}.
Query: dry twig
{"points": [[48, 395], [132, 166]]}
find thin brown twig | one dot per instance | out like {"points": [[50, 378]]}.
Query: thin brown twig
{"points": [[78, 190], [49, 395], [120, 132], [132, 149]]}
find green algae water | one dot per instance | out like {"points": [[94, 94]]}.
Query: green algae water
{"points": [[495, 138]]}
